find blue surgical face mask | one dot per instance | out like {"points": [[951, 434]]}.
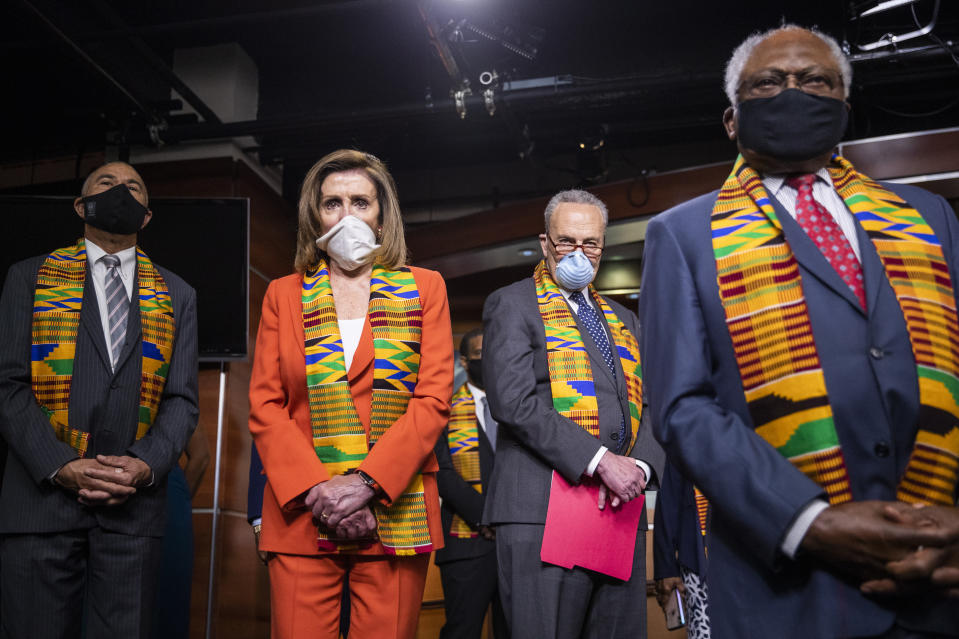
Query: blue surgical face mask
{"points": [[574, 271]]}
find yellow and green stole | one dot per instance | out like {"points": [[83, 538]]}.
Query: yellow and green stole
{"points": [[396, 318], [768, 321], [56, 318], [570, 372], [463, 438]]}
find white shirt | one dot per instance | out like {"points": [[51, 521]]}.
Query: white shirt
{"points": [[478, 396], [98, 272], [350, 332], [594, 462], [824, 192]]}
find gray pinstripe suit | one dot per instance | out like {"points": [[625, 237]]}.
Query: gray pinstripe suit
{"points": [[55, 549]]}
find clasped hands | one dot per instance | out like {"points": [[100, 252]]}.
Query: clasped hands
{"points": [[621, 479], [107, 480], [339, 505], [890, 548]]}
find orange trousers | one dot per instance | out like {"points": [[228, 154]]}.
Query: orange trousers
{"points": [[385, 595]]}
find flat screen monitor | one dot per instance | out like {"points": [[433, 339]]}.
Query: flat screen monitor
{"points": [[203, 240]]}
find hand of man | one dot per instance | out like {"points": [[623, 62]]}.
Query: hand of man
{"points": [[927, 568], [115, 471], [487, 532], [664, 589], [92, 490], [359, 525], [262, 554], [621, 478], [859, 539], [332, 500]]}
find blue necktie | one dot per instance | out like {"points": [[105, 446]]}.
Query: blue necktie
{"points": [[594, 326]]}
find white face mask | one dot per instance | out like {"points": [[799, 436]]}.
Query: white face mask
{"points": [[350, 243], [574, 272]]}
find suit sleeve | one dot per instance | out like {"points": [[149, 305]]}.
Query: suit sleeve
{"points": [[25, 428], [666, 525], [758, 492], [454, 490], [509, 370], [646, 447], [177, 414], [286, 452], [254, 491], [406, 445]]}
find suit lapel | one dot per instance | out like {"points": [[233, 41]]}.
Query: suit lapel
{"points": [[133, 337], [810, 257], [296, 316], [364, 355], [90, 320], [873, 272]]}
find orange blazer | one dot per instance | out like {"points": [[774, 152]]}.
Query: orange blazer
{"points": [[280, 414]]}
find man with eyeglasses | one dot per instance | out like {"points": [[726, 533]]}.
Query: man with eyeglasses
{"points": [[563, 379], [800, 333]]}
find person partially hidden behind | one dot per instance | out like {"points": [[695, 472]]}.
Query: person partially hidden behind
{"points": [[98, 397], [465, 453], [799, 334]]}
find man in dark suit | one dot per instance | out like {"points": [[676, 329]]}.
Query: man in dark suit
{"points": [[465, 453], [799, 331], [573, 407], [98, 397]]}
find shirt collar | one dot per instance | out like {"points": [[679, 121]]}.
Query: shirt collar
{"points": [[127, 256], [478, 393], [774, 183]]}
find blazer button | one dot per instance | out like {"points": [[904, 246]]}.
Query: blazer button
{"points": [[881, 449], [876, 353], [614, 436], [114, 385]]}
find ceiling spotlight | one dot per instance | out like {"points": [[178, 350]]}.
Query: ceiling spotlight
{"points": [[526, 252]]}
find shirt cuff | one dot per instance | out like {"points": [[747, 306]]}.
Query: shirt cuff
{"points": [[643, 466], [594, 462], [800, 527], [257, 522]]}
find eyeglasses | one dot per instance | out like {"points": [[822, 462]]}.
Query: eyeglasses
{"points": [[562, 248]]}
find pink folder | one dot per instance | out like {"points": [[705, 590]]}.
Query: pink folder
{"points": [[580, 534]]}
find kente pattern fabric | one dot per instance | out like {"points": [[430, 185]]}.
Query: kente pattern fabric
{"points": [[463, 439], [58, 298], [339, 439], [570, 373], [118, 306], [761, 292], [825, 233]]}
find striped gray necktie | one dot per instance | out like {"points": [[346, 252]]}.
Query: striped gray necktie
{"points": [[118, 305]]}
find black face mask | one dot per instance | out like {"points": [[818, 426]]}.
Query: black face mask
{"points": [[474, 368], [791, 126], [114, 211]]}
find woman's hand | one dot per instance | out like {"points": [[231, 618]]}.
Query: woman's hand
{"points": [[335, 499]]}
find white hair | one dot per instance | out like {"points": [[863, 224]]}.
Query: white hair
{"points": [[575, 196], [742, 53]]}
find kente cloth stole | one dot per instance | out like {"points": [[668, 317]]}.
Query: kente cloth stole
{"points": [[339, 439], [570, 372], [56, 318], [760, 288], [463, 439]]}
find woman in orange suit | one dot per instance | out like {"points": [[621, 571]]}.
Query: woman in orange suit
{"points": [[351, 382]]}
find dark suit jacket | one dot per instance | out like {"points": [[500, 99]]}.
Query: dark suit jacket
{"points": [[533, 438], [699, 414], [101, 402], [462, 499], [677, 539], [254, 490]]}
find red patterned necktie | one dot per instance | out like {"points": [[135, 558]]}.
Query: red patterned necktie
{"points": [[820, 226]]}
